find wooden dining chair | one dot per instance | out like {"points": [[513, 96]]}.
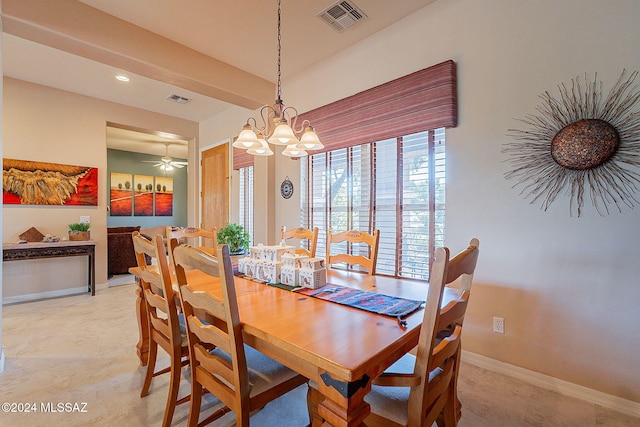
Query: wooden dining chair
{"points": [[417, 391], [355, 255], [194, 236], [453, 314], [420, 390], [302, 233], [163, 319], [239, 376]]}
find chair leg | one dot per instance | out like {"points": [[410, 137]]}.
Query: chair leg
{"points": [[174, 388], [313, 401], [449, 410], [196, 401], [151, 366]]}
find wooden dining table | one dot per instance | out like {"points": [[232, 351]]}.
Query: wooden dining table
{"points": [[338, 347]]}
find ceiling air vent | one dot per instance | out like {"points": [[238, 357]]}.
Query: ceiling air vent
{"points": [[342, 15], [177, 98]]}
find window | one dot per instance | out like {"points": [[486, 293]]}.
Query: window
{"points": [[246, 199], [394, 185]]}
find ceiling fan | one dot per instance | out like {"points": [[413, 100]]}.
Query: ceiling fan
{"points": [[166, 163]]}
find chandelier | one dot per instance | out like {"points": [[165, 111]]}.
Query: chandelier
{"points": [[278, 126]]}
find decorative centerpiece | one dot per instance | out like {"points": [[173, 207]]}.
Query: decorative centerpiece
{"points": [[234, 236], [79, 231]]}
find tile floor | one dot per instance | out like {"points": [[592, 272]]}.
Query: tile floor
{"points": [[81, 349]]}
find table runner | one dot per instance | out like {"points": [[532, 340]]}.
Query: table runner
{"points": [[364, 300]]}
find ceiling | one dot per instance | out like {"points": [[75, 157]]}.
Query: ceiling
{"points": [[242, 34]]}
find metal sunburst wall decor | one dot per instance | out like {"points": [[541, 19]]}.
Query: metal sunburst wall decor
{"points": [[580, 141]]}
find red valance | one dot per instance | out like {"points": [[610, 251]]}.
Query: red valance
{"points": [[424, 100], [241, 159]]}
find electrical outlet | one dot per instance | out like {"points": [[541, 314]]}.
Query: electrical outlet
{"points": [[85, 219], [498, 325]]}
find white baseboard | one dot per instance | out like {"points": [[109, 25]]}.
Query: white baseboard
{"points": [[1, 359], [566, 388], [44, 295]]}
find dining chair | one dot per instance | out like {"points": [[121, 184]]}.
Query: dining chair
{"points": [[197, 237], [302, 233], [417, 391], [238, 375], [453, 314], [355, 255], [163, 318]]}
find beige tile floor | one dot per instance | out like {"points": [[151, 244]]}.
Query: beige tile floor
{"points": [[81, 349]]}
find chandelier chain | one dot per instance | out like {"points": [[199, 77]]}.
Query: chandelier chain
{"points": [[278, 123], [279, 90]]}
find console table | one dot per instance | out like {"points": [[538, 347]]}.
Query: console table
{"points": [[29, 251]]}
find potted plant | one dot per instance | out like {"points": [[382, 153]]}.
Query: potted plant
{"points": [[235, 237], [79, 231]]}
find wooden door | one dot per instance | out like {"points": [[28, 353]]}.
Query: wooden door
{"points": [[215, 187]]}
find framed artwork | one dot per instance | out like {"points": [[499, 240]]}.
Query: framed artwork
{"points": [[40, 183], [121, 194], [164, 196], [142, 195]]}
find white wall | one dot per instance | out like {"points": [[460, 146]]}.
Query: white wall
{"points": [[566, 286]]}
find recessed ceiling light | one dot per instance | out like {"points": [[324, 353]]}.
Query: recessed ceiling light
{"points": [[122, 77]]}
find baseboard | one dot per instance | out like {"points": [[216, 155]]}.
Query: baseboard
{"points": [[566, 388], [45, 295], [1, 359]]}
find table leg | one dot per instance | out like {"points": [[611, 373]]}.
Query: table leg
{"points": [[340, 404], [143, 325], [92, 271]]}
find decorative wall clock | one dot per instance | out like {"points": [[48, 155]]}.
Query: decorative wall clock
{"points": [[580, 142], [286, 188]]}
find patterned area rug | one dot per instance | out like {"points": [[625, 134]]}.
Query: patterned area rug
{"points": [[364, 300]]}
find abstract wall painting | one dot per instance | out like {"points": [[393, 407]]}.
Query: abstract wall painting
{"points": [[581, 143], [121, 194], [142, 195], [26, 182], [164, 196]]}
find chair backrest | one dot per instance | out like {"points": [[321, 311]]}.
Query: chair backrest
{"points": [[194, 236], [213, 322], [436, 359], [462, 267], [159, 295], [302, 233], [354, 236]]}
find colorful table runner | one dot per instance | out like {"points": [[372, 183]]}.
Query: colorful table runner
{"points": [[364, 300]]}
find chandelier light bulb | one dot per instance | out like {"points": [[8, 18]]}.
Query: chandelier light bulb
{"points": [[283, 134], [309, 140], [247, 138], [293, 150], [263, 150]]}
